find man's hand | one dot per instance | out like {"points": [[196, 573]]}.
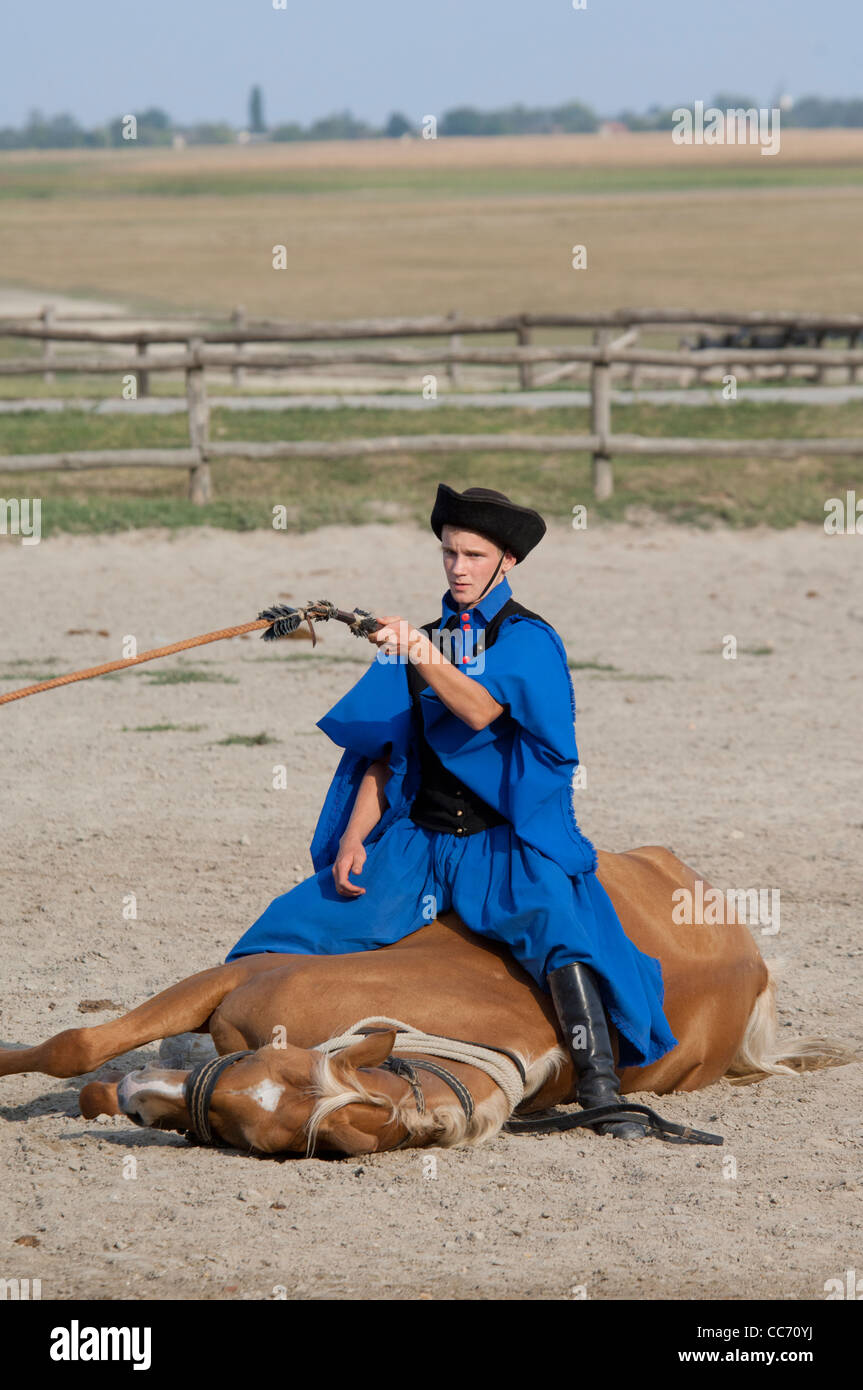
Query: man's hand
{"points": [[350, 859], [464, 697], [397, 636]]}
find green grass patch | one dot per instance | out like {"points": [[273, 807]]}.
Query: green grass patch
{"points": [[699, 490], [26, 661], [163, 728], [311, 656], [635, 676], [98, 180], [29, 677], [183, 676], [246, 740]]}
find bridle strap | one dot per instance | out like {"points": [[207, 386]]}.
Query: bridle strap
{"points": [[198, 1092], [400, 1066], [620, 1111]]}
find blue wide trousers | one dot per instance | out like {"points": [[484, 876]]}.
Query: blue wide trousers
{"points": [[501, 888]]}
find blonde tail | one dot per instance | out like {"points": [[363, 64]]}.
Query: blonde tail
{"points": [[761, 1053]]}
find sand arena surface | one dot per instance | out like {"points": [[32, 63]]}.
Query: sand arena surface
{"points": [[749, 770]]}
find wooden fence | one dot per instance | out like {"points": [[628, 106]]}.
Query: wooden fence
{"points": [[614, 344]]}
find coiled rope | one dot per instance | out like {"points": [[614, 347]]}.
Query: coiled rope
{"points": [[501, 1070]]}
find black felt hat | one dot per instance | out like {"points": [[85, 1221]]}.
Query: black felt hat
{"points": [[489, 513]]}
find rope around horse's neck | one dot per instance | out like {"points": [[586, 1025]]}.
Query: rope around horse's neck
{"points": [[501, 1070], [135, 660]]}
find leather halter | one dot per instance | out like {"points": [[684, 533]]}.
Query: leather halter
{"points": [[201, 1083], [198, 1093], [400, 1066]]}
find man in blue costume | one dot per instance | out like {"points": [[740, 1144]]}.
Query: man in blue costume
{"points": [[454, 791]]}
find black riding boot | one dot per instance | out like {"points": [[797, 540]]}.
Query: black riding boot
{"points": [[578, 1003]]}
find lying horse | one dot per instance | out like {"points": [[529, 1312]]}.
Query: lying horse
{"points": [[273, 1092]]}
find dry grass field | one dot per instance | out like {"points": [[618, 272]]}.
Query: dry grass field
{"points": [[652, 148], [382, 227]]}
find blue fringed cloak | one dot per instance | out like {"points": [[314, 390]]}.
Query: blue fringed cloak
{"points": [[522, 764]]}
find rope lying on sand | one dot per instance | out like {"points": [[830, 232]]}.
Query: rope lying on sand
{"points": [[501, 1070]]}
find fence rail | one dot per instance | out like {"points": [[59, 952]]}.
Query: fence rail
{"points": [[245, 328], [615, 343], [429, 357]]}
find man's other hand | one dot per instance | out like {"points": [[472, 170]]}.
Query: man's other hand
{"points": [[349, 860]]}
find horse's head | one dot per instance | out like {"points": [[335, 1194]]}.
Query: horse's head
{"points": [[276, 1100]]}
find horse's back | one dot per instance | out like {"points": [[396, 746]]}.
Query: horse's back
{"points": [[712, 971], [445, 979]]}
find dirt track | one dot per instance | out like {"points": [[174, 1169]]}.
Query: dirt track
{"points": [[750, 770]]}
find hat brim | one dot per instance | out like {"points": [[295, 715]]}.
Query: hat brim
{"points": [[512, 527]]}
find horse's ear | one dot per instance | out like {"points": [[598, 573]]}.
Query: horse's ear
{"points": [[369, 1051], [292, 1064]]}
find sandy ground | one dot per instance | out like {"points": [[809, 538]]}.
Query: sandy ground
{"points": [[750, 770]]}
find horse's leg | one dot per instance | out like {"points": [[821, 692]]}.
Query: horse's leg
{"points": [[182, 1008]]}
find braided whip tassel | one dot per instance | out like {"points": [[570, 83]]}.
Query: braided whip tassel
{"points": [[285, 620]]}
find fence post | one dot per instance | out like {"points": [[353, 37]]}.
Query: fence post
{"points": [[600, 417], [636, 374], [822, 373], [854, 340], [634, 371], [454, 368], [525, 370], [143, 376], [686, 375], [47, 316], [200, 485], [238, 318]]}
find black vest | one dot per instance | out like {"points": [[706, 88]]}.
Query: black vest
{"points": [[442, 803]]}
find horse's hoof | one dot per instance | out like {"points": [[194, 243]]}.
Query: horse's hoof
{"points": [[186, 1050]]}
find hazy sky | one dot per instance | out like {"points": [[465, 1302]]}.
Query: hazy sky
{"points": [[198, 58]]}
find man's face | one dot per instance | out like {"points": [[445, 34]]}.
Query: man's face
{"points": [[469, 561]]}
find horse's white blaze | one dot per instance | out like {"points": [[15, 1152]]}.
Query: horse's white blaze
{"points": [[135, 1081], [267, 1094]]}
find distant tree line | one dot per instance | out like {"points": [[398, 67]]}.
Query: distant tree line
{"points": [[155, 127]]}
